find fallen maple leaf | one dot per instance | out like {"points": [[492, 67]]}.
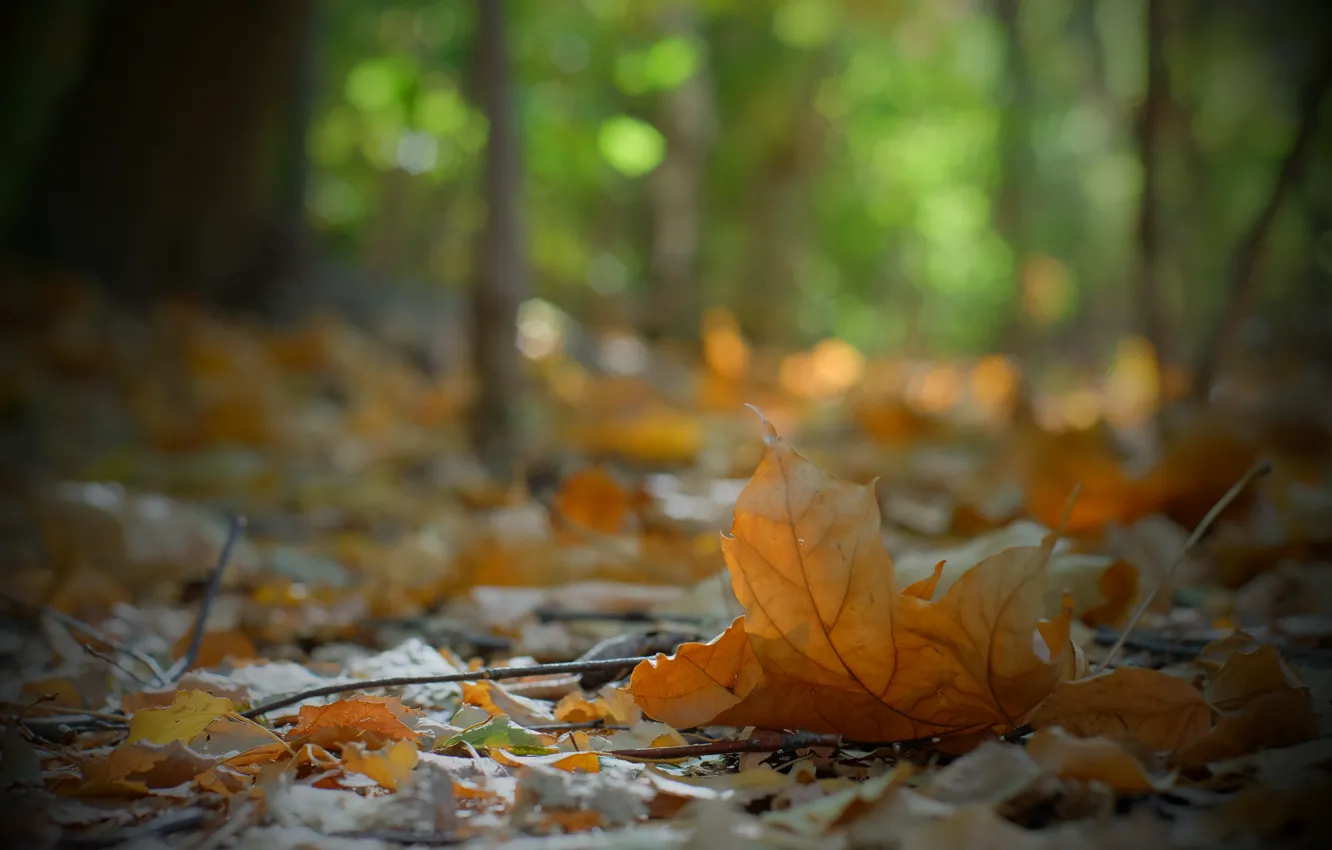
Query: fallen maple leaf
{"points": [[363, 719], [828, 644], [1157, 710]]}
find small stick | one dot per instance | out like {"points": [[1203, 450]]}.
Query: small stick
{"points": [[115, 662], [88, 631], [484, 674], [549, 615], [764, 744], [210, 596], [51, 708], [1260, 468]]}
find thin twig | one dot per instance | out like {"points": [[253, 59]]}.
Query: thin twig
{"points": [[51, 708], [550, 615], [210, 596], [1260, 468], [480, 675], [758, 744], [88, 631], [115, 662]]}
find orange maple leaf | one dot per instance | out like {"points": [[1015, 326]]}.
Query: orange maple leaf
{"points": [[363, 719], [828, 644]]}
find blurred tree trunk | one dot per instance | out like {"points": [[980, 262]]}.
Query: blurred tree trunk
{"points": [[1151, 124], [1011, 216], [781, 216], [1242, 279], [41, 48], [500, 283], [676, 195], [175, 164]]}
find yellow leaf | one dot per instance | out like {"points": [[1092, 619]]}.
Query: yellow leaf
{"points": [[390, 767], [828, 644], [587, 762], [188, 715]]}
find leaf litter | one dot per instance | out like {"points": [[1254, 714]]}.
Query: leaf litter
{"points": [[912, 662]]}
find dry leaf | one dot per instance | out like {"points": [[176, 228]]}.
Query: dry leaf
{"points": [[364, 719], [1262, 703], [828, 644], [587, 762], [593, 499], [1157, 710], [496, 700], [189, 714], [1249, 673], [135, 767], [390, 766], [1090, 759], [216, 648]]}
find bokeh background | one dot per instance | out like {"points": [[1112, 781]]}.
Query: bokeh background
{"points": [[1109, 203]]}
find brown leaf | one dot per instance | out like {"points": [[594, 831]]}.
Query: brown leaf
{"points": [[1271, 720], [1249, 673], [133, 768], [828, 644], [1262, 702], [1090, 759], [1157, 710]]}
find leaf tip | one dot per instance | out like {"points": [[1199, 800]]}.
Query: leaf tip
{"points": [[770, 436]]}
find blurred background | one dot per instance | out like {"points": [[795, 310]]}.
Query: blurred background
{"points": [[274, 253], [448, 293]]}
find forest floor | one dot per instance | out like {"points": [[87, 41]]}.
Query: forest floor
{"points": [[880, 623]]}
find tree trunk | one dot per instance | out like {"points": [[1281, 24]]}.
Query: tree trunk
{"points": [[1011, 218], [1243, 277], [676, 189], [1151, 123], [172, 165], [781, 216], [500, 283]]}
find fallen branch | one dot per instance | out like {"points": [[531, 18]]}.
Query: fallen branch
{"points": [[1258, 470], [483, 674], [555, 615], [756, 744], [86, 630], [210, 596]]}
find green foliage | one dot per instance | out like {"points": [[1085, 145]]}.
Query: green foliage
{"points": [[857, 166]]}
